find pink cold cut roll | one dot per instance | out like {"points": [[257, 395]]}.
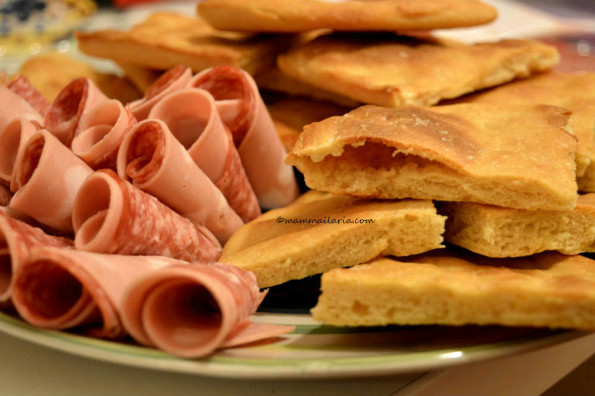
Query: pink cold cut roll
{"points": [[175, 78], [46, 179], [192, 117], [16, 241], [192, 310], [23, 87], [261, 150], [101, 131], [157, 163], [111, 215], [65, 288], [12, 138], [65, 112], [12, 106]]}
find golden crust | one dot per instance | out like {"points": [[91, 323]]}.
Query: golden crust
{"points": [[448, 288], [391, 71], [379, 15], [503, 232], [165, 40], [575, 92], [321, 231], [507, 155]]}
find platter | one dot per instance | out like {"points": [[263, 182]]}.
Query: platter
{"points": [[312, 350]]}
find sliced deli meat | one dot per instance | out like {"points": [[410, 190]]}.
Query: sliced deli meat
{"points": [[192, 310], [46, 179], [17, 238], [23, 87], [5, 195], [101, 131], [66, 288], [157, 163], [12, 138], [13, 106], [111, 215], [65, 112], [192, 117], [175, 78], [243, 111]]}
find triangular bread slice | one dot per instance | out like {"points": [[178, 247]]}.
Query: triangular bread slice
{"points": [[392, 71], [321, 231], [502, 232], [507, 155], [305, 15], [446, 288]]}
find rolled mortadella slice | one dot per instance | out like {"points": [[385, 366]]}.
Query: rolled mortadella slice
{"points": [[193, 119], [13, 106], [175, 78], [65, 112], [111, 215], [242, 109], [46, 178], [59, 288], [192, 310], [157, 163], [101, 131], [12, 138], [16, 241], [23, 87]]}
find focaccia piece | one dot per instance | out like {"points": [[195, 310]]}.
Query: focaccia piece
{"points": [[447, 288], [346, 15], [574, 91], [507, 155], [502, 232], [391, 71], [167, 39], [321, 231]]}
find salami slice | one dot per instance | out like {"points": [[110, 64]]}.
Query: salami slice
{"points": [[157, 163], [193, 310], [260, 148], [66, 288], [13, 106], [193, 119], [175, 78], [72, 102], [112, 216], [46, 178], [5, 195], [16, 241], [12, 138], [23, 87], [102, 130]]}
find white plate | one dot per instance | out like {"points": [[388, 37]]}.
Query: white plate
{"points": [[313, 351]]}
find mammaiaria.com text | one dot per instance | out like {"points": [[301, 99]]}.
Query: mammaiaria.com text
{"points": [[324, 220]]}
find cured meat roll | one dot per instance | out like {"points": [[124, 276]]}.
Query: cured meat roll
{"points": [[5, 195], [157, 163], [12, 138], [65, 112], [192, 117], [192, 310], [46, 178], [111, 215], [23, 87], [175, 78], [261, 150], [13, 106], [66, 288], [16, 241], [101, 131]]}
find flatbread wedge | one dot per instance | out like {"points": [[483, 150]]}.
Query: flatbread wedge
{"points": [[322, 231], [350, 15], [447, 288], [391, 71], [507, 155], [503, 232]]}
